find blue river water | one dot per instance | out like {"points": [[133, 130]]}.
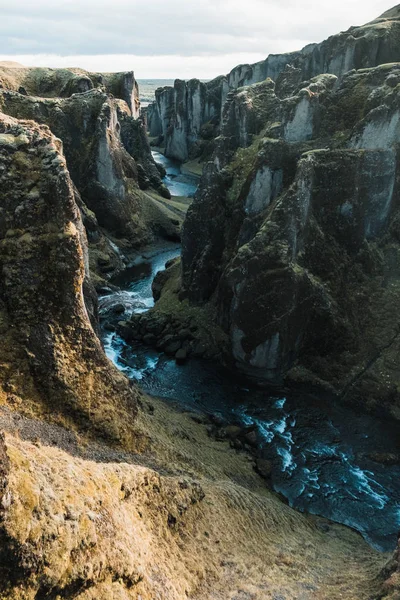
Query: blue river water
{"points": [[323, 454], [178, 183]]}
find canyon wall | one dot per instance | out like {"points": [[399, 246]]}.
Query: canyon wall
{"points": [[98, 500], [185, 117], [294, 237], [107, 152], [292, 242], [52, 362]]}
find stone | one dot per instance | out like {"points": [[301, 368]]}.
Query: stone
{"points": [[172, 348], [385, 458], [217, 419], [199, 349], [251, 438], [118, 309], [125, 331], [233, 431], [264, 468], [184, 334], [181, 356], [236, 444], [149, 339]]}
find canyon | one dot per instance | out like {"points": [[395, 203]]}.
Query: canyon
{"points": [[280, 304], [299, 198]]}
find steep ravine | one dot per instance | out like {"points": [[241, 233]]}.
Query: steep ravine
{"points": [[105, 493], [326, 459]]}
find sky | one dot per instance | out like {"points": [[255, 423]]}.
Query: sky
{"points": [[163, 39]]}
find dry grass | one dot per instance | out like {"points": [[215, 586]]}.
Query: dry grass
{"points": [[200, 524]]}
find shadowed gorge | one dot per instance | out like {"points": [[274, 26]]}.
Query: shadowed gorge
{"points": [[199, 316]]}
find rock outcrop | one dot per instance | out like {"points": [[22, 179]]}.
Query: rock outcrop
{"points": [[107, 153], [186, 116], [293, 235], [52, 362], [63, 83]]}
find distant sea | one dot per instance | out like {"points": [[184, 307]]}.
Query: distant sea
{"points": [[147, 88]]}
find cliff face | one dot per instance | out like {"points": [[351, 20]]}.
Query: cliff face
{"points": [[188, 114], [52, 362], [293, 235], [179, 114], [107, 153]]}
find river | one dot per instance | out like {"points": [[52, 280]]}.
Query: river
{"points": [[320, 450]]}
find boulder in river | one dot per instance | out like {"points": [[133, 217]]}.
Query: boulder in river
{"points": [[181, 356]]}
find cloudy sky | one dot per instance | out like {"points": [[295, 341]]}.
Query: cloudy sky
{"points": [[169, 38]]}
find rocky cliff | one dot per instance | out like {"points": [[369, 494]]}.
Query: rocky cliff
{"points": [[107, 153], [92, 504], [294, 233], [291, 244], [52, 362], [185, 117]]}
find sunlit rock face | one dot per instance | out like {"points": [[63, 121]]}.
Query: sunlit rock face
{"points": [[293, 235], [51, 357], [179, 114], [63, 83]]}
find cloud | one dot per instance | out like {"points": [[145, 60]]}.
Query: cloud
{"points": [[172, 27]]}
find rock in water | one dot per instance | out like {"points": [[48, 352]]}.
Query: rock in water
{"points": [[181, 356]]}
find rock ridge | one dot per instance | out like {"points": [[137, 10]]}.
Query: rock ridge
{"points": [[185, 117]]}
